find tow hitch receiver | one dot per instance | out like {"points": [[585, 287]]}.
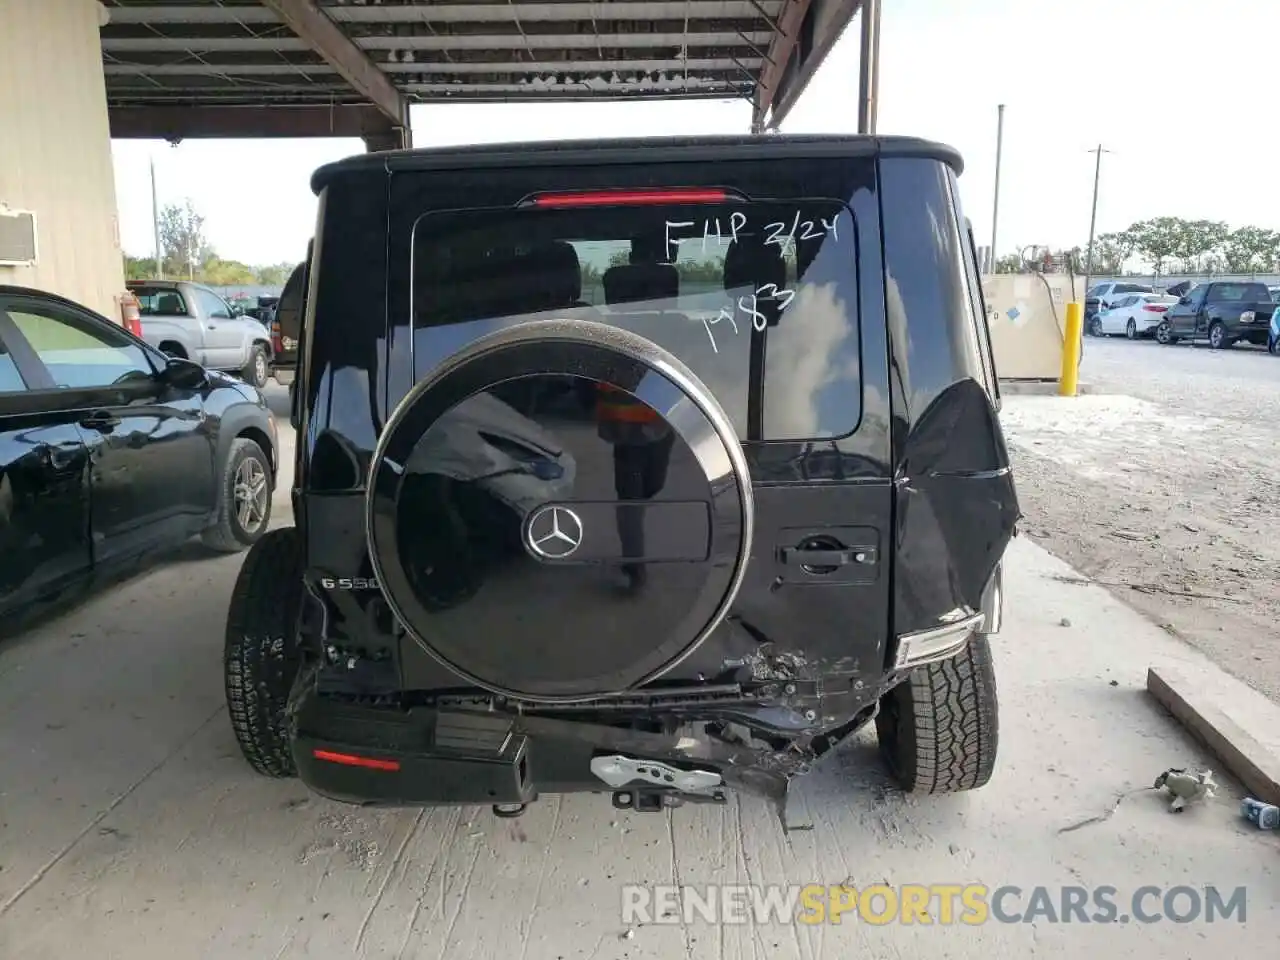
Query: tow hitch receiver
{"points": [[660, 786]]}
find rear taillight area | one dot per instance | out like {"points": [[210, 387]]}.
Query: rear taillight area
{"points": [[1156, 307], [658, 196], [277, 341], [134, 326], [355, 760]]}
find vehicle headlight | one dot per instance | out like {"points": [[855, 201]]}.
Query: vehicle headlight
{"points": [[1247, 316]]}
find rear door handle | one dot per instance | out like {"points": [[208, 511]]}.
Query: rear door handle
{"points": [[100, 420], [829, 558]]}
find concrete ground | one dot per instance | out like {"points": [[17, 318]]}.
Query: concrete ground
{"points": [[131, 828], [1163, 484]]}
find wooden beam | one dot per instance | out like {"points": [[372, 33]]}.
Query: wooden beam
{"points": [[315, 29], [780, 50], [279, 120], [789, 93]]}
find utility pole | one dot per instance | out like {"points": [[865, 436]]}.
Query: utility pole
{"points": [[1093, 216], [869, 68], [995, 206], [155, 222]]}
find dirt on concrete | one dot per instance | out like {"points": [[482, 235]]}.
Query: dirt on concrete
{"points": [[1177, 512]]}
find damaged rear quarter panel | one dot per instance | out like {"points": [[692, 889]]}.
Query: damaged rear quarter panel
{"points": [[955, 504]]}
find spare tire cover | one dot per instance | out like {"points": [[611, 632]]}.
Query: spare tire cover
{"points": [[542, 549]]}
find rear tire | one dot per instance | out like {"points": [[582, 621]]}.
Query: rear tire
{"points": [[257, 371], [939, 730], [1218, 336], [260, 652], [1131, 330]]}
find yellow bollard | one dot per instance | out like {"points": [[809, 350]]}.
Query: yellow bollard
{"points": [[1069, 381]]}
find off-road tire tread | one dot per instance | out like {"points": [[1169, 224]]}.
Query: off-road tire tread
{"points": [[260, 623], [949, 719], [221, 536]]}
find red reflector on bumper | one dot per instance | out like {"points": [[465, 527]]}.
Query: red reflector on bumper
{"points": [[350, 760]]}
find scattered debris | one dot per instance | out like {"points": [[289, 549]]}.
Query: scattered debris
{"points": [[1186, 787], [1147, 588], [627, 934], [1064, 622], [1264, 816], [1114, 683], [1102, 818], [1129, 535], [1186, 594]]}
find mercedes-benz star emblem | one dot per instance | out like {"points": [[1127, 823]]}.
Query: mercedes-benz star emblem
{"points": [[554, 532]]}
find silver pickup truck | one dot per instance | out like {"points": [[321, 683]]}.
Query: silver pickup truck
{"points": [[187, 320]]}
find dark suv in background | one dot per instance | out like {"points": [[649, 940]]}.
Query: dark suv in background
{"points": [[654, 468]]}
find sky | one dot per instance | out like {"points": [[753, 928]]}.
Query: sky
{"points": [[1175, 90]]}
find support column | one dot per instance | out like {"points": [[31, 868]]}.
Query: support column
{"points": [[397, 138], [869, 68], [55, 152]]}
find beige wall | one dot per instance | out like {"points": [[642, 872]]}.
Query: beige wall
{"points": [[55, 148], [1027, 319]]}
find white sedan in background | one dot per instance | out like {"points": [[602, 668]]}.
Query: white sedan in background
{"points": [[1135, 315]]}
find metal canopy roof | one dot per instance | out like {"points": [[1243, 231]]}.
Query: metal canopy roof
{"points": [[352, 67]]}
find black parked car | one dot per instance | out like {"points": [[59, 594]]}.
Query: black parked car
{"points": [[655, 467], [1222, 312], [111, 451]]}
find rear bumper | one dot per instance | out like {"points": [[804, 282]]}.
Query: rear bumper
{"points": [[433, 757]]}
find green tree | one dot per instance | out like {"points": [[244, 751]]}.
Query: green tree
{"points": [[1009, 263], [226, 273], [1197, 240], [1250, 249], [702, 271], [1109, 257], [182, 238], [274, 275], [1120, 247], [1159, 240], [139, 268]]}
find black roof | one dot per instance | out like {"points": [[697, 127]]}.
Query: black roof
{"points": [[709, 148]]}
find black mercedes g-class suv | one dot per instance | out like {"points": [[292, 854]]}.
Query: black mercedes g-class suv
{"points": [[655, 468]]}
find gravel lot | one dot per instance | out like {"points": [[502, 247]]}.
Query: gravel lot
{"points": [[1165, 488]]}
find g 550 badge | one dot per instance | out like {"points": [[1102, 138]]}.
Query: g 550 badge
{"points": [[349, 583]]}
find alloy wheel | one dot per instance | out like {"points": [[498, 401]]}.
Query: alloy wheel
{"points": [[250, 495]]}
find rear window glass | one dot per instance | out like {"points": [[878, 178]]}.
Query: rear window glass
{"points": [[737, 290], [160, 302], [1131, 288], [1239, 291]]}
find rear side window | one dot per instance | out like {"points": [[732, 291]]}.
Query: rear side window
{"points": [[748, 294], [10, 379], [77, 354], [160, 302], [1235, 292], [215, 308]]}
